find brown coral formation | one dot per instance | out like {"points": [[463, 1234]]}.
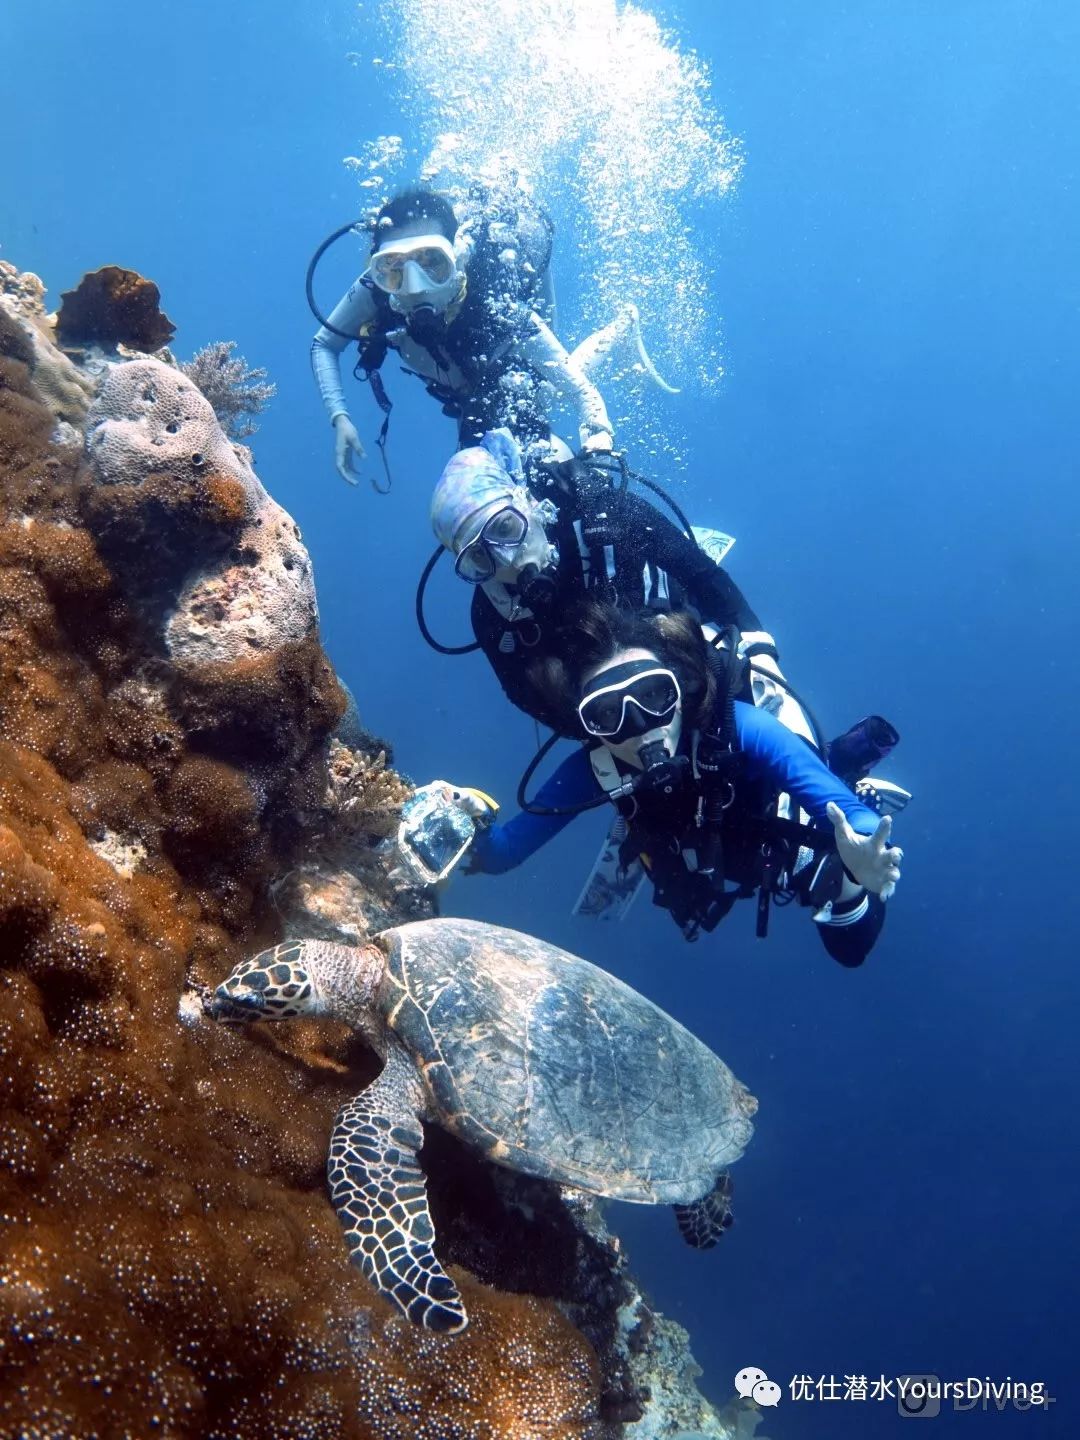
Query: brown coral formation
{"points": [[169, 1262], [165, 470], [113, 306]]}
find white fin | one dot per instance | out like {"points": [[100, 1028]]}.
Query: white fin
{"points": [[593, 351]]}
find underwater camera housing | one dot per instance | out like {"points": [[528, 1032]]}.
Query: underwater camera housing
{"points": [[434, 833]]}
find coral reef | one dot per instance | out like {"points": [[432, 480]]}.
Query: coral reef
{"points": [[163, 465], [113, 306], [26, 335], [173, 795], [350, 883], [235, 390]]}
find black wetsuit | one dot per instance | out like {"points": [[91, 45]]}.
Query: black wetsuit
{"points": [[617, 547]]}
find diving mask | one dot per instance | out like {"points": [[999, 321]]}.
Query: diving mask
{"points": [[497, 543], [513, 538], [420, 265], [629, 699]]}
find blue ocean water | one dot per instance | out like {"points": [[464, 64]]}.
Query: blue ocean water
{"points": [[895, 445]]}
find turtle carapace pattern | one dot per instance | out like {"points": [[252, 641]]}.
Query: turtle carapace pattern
{"points": [[545, 1063]]}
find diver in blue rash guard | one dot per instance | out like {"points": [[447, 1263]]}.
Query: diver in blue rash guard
{"points": [[696, 776], [473, 326]]}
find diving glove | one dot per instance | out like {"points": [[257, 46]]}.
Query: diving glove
{"points": [[869, 859], [347, 444], [438, 824]]}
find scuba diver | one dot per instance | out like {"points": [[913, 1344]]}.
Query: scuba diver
{"points": [[534, 538], [467, 309], [707, 785]]}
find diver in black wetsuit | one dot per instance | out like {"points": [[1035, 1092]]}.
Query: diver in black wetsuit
{"points": [[533, 546]]}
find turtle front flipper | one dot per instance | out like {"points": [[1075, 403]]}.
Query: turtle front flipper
{"points": [[703, 1222], [380, 1195]]}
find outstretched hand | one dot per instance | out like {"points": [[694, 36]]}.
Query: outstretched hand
{"points": [[347, 443], [874, 864]]}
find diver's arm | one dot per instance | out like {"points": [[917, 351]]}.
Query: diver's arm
{"points": [[542, 349], [789, 762], [503, 847], [708, 586], [355, 310]]}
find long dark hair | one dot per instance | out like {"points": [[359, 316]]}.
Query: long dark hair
{"points": [[591, 632]]}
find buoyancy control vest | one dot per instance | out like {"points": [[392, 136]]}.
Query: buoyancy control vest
{"points": [[474, 337], [714, 837]]}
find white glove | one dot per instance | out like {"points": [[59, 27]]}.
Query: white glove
{"points": [[869, 858], [345, 440], [600, 441]]}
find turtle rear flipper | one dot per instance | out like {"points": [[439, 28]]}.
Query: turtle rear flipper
{"points": [[380, 1195], [703, 1222]]}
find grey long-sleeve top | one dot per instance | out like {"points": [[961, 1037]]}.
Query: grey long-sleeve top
{"points": [[540, 349]]}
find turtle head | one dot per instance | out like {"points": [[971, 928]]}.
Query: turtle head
{"points": [[299, 977]]}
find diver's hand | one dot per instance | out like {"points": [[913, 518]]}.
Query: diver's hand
{"points": [[871, 861], [474, 803], [768, 691], [346, 440], [599, 442]]}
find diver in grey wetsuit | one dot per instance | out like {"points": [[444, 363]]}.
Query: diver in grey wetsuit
{"points": [[466, 317]]}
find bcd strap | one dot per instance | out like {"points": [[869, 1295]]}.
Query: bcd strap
{"points": [[385, 404]]}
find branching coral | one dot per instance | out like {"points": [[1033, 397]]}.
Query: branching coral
{"points": [[364, 796], [237, 391]]}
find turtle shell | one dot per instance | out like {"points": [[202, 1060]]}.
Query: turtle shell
{"points": [[554, 1067]]}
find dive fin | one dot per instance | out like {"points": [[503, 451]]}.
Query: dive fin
{"points": [[610, 888], [715, 543], [597, 347], [882, 795]]}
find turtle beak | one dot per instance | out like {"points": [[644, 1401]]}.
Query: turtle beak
{"points": [[235, 1007]]}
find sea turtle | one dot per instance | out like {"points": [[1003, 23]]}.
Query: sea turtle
{"points": [[545, 1063]]}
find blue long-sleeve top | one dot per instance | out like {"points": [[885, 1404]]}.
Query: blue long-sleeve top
{"points": [[773, 754]]}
